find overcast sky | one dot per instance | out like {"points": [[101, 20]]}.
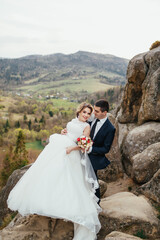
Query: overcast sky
{"points": [[122, 28]]}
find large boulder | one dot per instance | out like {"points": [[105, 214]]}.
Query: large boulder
{"points": [[141, 99], [151, 189], [146, 164], [137, 140], [114, 170], [115, 235], [37, 228], [128, 213], [13, 179], [150, 106]]}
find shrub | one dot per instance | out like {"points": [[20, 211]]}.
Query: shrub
{"points": [[154, 45]]}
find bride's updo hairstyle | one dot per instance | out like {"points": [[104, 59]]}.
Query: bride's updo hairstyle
{"points": [[82, 106]]}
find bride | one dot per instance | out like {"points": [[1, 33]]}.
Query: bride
{"points": [[61, 183]]}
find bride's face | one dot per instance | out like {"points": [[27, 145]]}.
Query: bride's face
{"points": [[84, 114]]}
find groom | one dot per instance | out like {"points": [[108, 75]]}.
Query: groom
{"points": [[102, 133]]}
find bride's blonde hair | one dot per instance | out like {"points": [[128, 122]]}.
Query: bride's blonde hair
{"points": [[82, 106]]}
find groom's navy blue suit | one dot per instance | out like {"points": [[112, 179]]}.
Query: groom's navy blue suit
{"points": [[101, 145]]}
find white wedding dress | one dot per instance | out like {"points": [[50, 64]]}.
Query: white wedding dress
{"points": [[61, 185]]}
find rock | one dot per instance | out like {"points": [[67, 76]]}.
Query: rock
{"points": [[124, 129], [141, 99], [150, 106], [114, 170], [152, 188], [137, 140], [130, 214], [13, 179], [120, 236], [136, 73], [103, 187], [124, 184], [37, 228], [146, 164]]}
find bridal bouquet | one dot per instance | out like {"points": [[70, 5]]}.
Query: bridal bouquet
{"points": [[84, 142]]}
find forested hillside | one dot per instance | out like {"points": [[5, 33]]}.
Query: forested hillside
{"points": [[60, 72]]}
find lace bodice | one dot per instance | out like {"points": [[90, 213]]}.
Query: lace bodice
{"points": [[75, 129]]}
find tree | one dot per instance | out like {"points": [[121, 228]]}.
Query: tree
{"points": [[25, 117], [29, 124], [17, 124], [42, 120], [51, 113], [20, 157], [35, 120], [6, 126], [7, 169]]}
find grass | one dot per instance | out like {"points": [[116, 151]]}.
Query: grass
{"points": [[140, 234], [90, 84], [8, 218], [34, 145], [58, 103]]}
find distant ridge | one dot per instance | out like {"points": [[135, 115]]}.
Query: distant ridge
{"points": [[59, 66]]}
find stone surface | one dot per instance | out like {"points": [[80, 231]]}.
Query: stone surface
{"points": [[124, 184], [120, 236], [146, 164], [151, 189], [123, 132], [35, 227], [13, 179], [103, 187], [141, 99], [114, 170], [150, 107], [137, 140], [128, 213]]}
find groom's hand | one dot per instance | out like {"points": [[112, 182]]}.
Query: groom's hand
{"points": [[64, 131]]}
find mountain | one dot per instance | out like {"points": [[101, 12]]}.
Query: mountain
{"points": [[59, 70]]}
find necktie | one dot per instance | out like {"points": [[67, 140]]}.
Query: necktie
{"points": [[93, 128]]}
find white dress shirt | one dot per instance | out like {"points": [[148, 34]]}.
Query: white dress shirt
{"points": [[98, 126]]}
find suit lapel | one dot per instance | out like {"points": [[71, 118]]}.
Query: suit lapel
{"points": [[105, 124]]}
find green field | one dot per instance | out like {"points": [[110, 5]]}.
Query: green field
{"points": [[34, 145], [90, 84]]}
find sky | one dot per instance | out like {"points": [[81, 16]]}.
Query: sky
{"points": [[123, 28]]}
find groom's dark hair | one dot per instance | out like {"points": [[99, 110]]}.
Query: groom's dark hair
{"points": [[103, 104]]}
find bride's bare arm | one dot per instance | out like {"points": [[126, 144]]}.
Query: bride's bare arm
{"points": [[86, 133], [71, 148]]}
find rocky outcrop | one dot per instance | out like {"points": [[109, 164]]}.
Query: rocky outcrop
{"points": [[146, 164], [114, 169], [115, 235], [141, 100], [13, 179], [130, 214], [151, 189], [37, 228], [139, 122], [137, 140], [103, 187]]}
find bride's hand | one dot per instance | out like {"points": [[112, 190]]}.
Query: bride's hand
{"points": [[64, 131], [69, 150]]}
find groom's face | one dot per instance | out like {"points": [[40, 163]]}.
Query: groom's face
{"points": [[98, 113]]}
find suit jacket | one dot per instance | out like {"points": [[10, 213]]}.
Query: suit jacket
{"points": [[101, 145]]}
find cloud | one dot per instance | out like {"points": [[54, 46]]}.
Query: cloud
{"points": [[119, 27]]}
